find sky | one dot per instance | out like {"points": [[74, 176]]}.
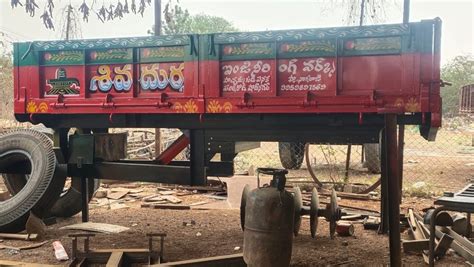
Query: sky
{"points": [[257, 15]]}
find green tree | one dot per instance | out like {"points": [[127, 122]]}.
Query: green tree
{"points": [[178, 21], [6, 87], [459, 72]]}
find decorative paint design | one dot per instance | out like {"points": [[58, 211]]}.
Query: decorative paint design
{"points": [[373, 44], [162, 75], [247, 49], [32, 107], [62, 85], [322, 33], [215, 107], [110, 55], [113, 42], [412, 105], [188, 107], [308, 74], [246, 76], [157, 53], [120, 79], [308, 46], [63, 57], [399, 103]]}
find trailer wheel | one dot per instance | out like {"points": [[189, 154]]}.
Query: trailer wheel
{"points": [[291, 154], [33, 151], [372, 157]]}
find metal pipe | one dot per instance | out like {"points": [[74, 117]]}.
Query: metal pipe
{"points": [[393, 189], [406, 11], [401, 146]]}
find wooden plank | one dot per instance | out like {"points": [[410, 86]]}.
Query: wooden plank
{"points": [[456, 246], [443, 245], [166, 206], [235, 260], [31, 246], [457, 237], [415, 245], [96, 227], [26, 264], [18, 236], [117, 195], [115, 259]]}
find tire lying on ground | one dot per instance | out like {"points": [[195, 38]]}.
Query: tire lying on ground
{"points": [[69, 202], [291, 154], [31, 150]]}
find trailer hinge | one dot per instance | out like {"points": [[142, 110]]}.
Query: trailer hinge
{"points": [[108, 103], [164, 101], [246, 103], [309, 100]]}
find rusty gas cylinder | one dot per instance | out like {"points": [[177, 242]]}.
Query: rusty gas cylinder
{"points": [[269, 219]]}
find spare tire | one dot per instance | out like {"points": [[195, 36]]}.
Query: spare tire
{"points": [[69, 202], [372, 157], [34, 152], [291, 154]]}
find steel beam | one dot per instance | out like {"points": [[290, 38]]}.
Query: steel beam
{"points": [[198, 159], [133, 172]]}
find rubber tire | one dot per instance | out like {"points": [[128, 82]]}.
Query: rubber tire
{"points": [[44, 185], [372, 157], [69, 203], [291, 154]]}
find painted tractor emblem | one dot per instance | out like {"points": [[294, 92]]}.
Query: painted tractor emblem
{"points": [[62, 85]]}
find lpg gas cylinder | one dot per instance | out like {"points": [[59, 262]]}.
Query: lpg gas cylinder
{"points": [[269, 219]]}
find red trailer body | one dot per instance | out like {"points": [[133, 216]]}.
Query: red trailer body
{"points": [[364, 70]]}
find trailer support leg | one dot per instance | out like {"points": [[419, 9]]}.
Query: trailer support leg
{"points": [[85, 199], [393, 189], [401, 146], [198, 158], [383, 228]]}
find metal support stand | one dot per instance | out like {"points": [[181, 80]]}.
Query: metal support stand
{"points": [[85, 199], [84, 193], [348, 161], [401, 146], [383, 228], [393, 189], [198, 159]]}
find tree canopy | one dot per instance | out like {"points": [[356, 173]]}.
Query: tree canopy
{"points": [[459, 71], [178, 21]]}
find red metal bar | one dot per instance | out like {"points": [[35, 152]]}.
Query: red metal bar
{"points": [[173, 150]]}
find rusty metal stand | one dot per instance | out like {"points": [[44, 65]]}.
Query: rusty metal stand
{"points": [[115, 257], [393, 183]]}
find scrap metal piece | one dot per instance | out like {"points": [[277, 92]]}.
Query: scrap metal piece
{"points": [[313, 215], [298, 206], [333, 213]]}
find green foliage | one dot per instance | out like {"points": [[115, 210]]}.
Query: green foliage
{"points": [[178, 21], [6, 86], [459, 72]]}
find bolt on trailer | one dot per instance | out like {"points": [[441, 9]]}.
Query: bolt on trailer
{"points": [[342, 85]]}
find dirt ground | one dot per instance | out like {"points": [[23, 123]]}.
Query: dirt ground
{"points": [[217, 232]]}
